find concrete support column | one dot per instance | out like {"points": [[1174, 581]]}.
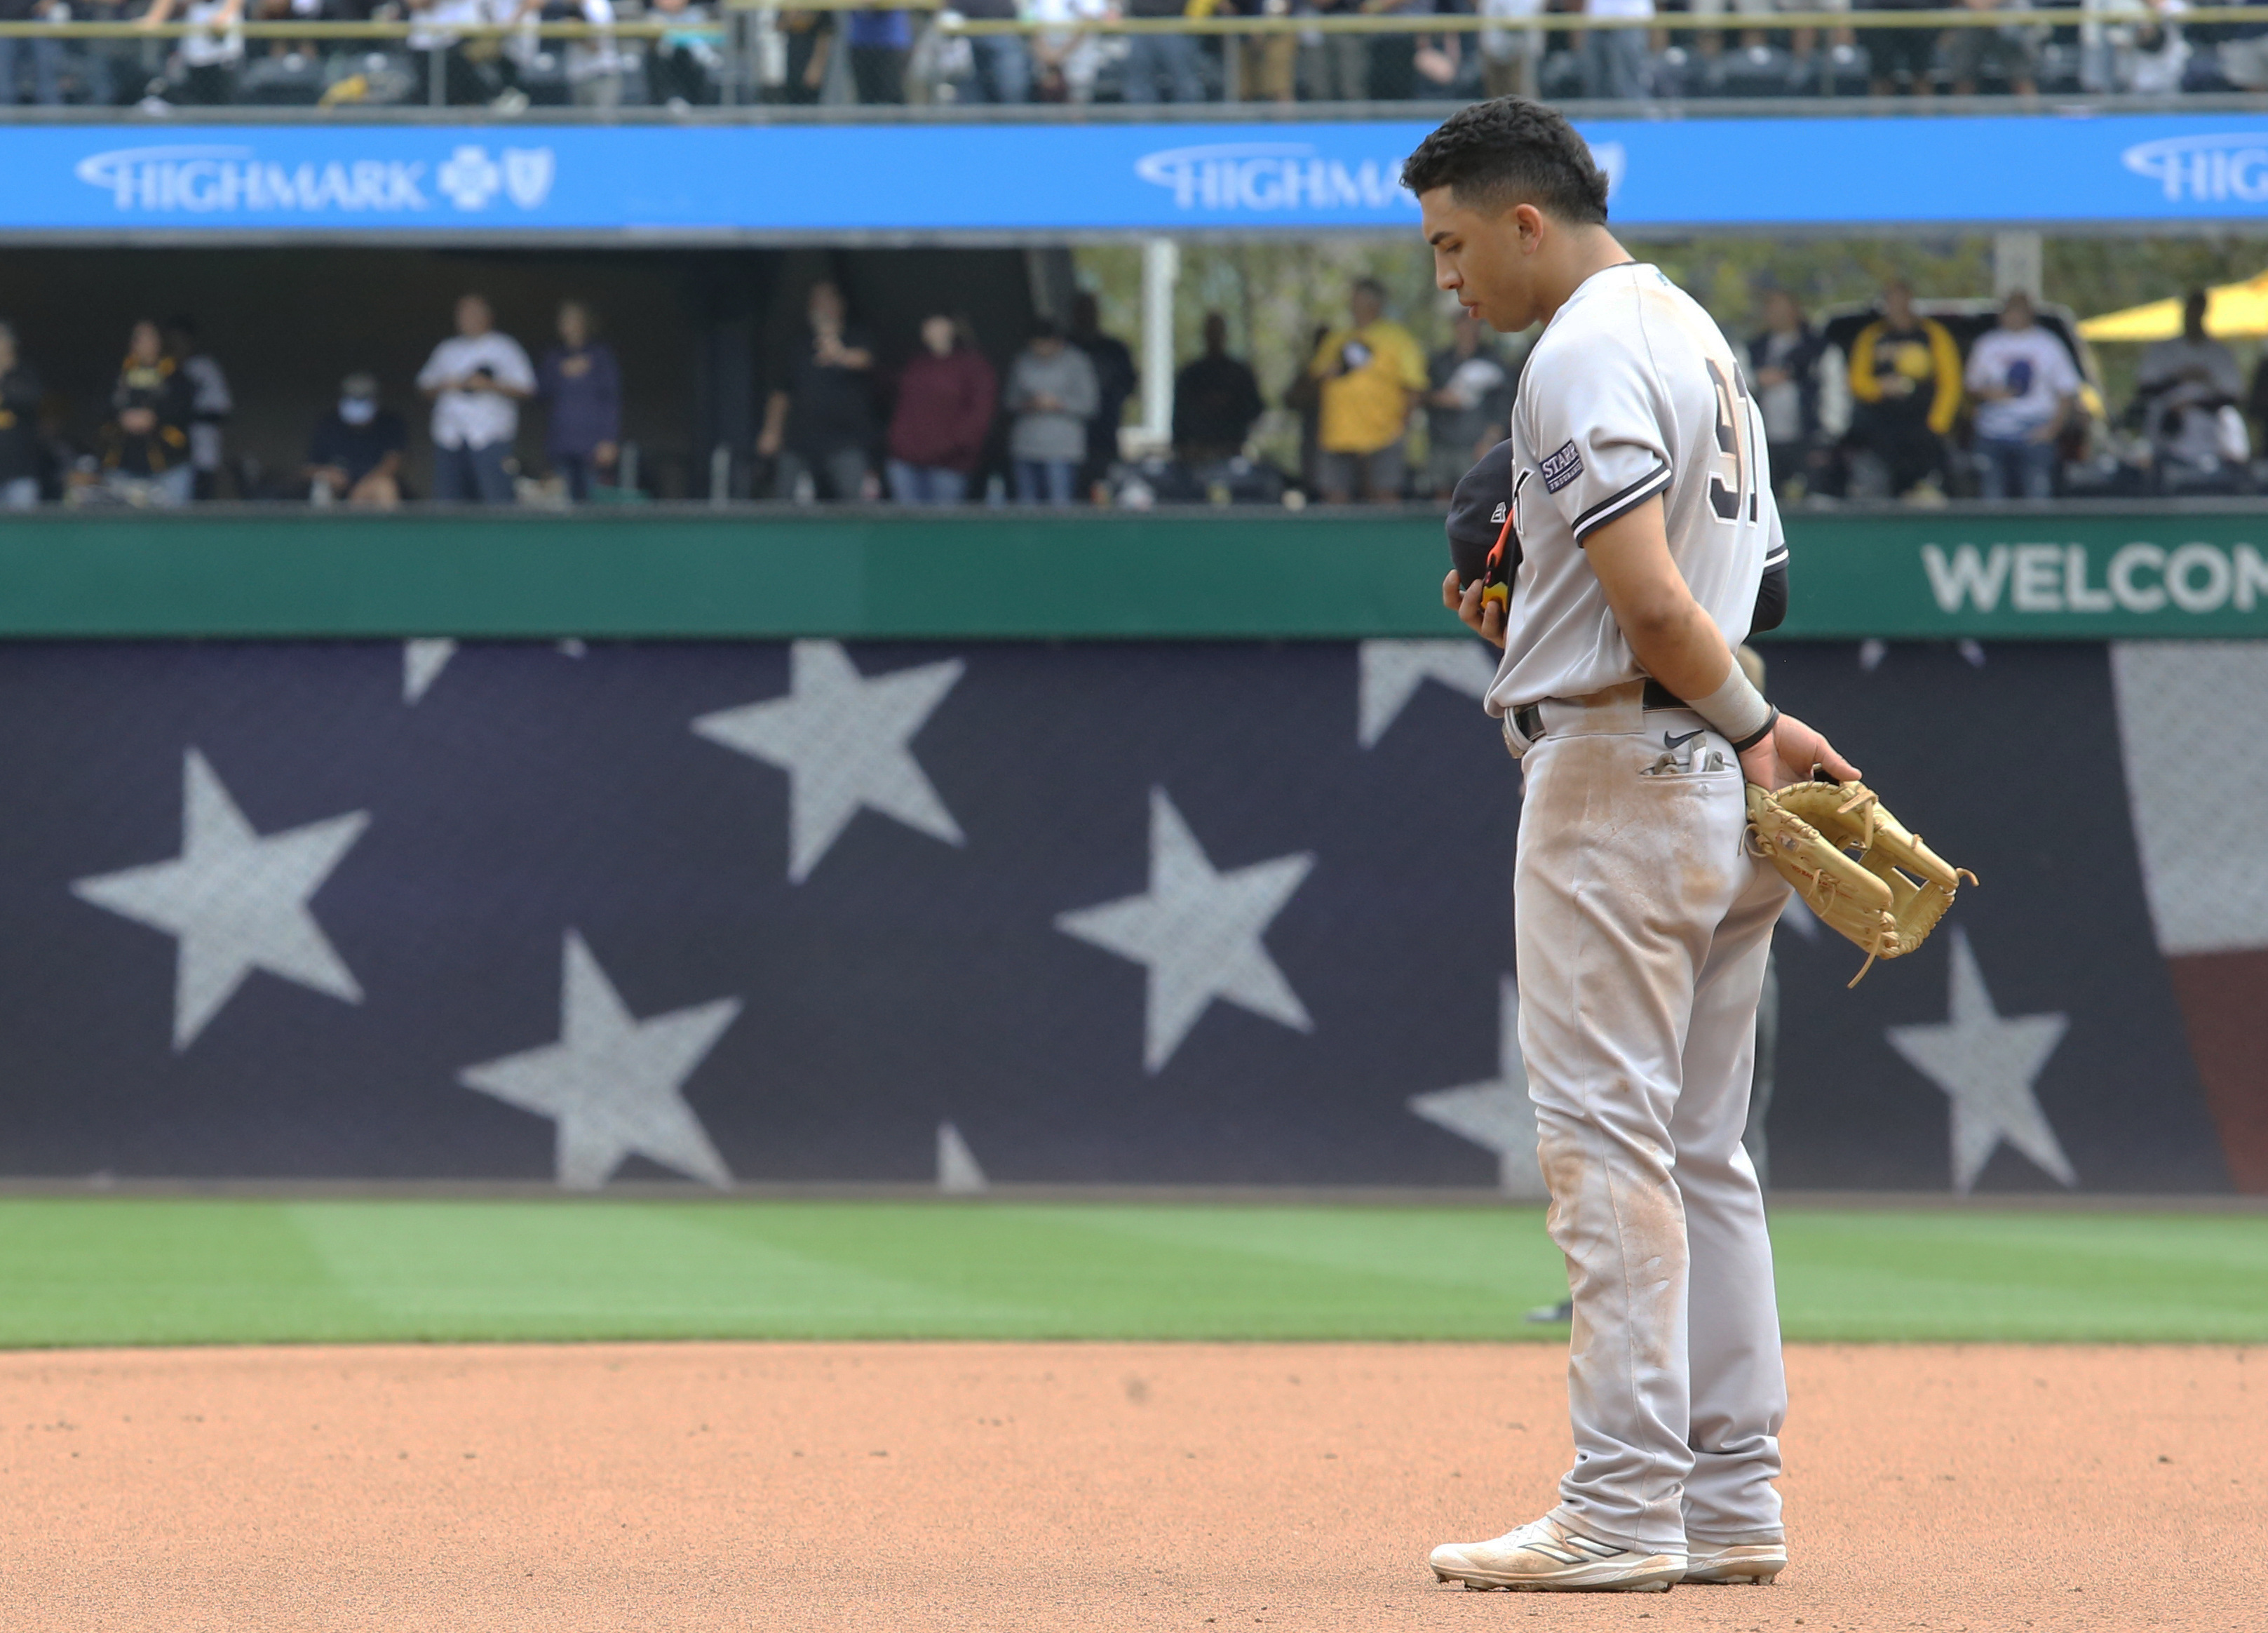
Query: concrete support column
{"points": [[2018, 263], [1161, 269]]}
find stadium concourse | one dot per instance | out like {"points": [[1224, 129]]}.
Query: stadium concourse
{"points": [[670, 1042]]}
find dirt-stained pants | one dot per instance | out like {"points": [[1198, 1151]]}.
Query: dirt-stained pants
{"points": [[1643, 928]]}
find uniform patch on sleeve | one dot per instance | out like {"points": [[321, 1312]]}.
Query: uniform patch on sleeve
{"points": [[1563, 467]]}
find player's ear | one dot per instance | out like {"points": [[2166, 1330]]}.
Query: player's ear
{"points": [[1527, 221]]}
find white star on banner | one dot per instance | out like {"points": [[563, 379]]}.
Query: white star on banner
{"points": [[1497, 1115], [614, 1084], [235, 901], [1198, 931], [958, 1172], [1987, 1065], [841, 736], [1391, 672], [422, 663]]}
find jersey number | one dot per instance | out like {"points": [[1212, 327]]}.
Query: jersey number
{"points": [[1729, 489]]}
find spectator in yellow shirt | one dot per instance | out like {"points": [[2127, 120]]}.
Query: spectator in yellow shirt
{"points": [[1905, 386], [1370, 374]]}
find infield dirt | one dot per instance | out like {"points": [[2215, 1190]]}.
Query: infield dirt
{"points": [[1088, 1486]]}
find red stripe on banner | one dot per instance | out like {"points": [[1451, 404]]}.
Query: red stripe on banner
{"points": [[2224, 998]]}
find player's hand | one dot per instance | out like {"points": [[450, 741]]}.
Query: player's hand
{"points": [[1484, 619], [1788, 755]]}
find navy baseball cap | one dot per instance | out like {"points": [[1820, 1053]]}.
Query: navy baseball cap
{"points": [[1477, 513]]}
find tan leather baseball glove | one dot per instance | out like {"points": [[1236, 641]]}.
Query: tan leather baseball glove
{"points": [[1861, 870]]}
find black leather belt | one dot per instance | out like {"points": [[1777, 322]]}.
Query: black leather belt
{"points": [[1529, 721]]}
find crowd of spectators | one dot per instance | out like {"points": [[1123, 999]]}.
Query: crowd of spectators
{"points": [[1887, 402], [1994, 404], [159, 436], [704, 54]]}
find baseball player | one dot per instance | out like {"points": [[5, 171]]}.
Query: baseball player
{"points": [[1643, 518]]}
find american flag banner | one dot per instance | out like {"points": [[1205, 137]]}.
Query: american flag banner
{"points": [[1207, 912]]}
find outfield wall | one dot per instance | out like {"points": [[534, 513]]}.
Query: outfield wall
{"points": [[1197, 907]]}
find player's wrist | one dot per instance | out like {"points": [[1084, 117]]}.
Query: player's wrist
{"points": [[1738, 711]]}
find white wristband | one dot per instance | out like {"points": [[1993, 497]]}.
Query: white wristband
{"points": [[1737, 709]]}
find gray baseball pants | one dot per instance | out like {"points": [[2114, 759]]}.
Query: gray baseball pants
{"points": [[1643, 929]]}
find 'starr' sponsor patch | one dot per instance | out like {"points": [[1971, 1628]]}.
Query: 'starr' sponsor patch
{"points": [[1562, 467]]}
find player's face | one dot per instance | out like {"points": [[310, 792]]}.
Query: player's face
{"points": [[1488, 261]]}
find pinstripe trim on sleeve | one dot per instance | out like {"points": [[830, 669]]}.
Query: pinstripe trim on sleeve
{"points": [[1616, 504]]}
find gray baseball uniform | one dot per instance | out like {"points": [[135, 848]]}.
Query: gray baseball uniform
{"points": [[1643, 923]]}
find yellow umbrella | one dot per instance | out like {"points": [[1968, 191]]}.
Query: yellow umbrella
{"points": [[2232, 311]]}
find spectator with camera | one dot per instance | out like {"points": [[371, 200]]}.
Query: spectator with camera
{"points": [[478, 380], [1370, 373], [819, 422]]}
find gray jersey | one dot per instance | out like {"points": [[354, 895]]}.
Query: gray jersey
{"points": [[1632, 391]]}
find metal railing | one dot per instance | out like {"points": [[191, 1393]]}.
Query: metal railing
{"points": [[735, 26], [951, 22]]}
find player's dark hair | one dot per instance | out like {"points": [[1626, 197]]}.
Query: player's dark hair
{"points": [[1494, 155]]}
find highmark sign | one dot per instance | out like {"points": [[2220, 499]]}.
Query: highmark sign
{"points": [[702, 183], [2036, 576]]}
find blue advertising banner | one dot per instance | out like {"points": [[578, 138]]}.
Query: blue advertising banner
{"points": [[704, 182]]}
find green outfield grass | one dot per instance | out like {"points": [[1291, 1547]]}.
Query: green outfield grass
{"points": [[152, 1271]]}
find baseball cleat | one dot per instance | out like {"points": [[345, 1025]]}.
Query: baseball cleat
{"points": [[1757, 1563], [1544, 1556]]}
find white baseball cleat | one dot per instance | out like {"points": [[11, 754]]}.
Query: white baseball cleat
{"points": [[1544, 1556], [1757, 1562]]}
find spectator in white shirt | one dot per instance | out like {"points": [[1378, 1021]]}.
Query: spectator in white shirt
{"points": [[2025, 384], [1614, 59], [476, 379], [1067, 59]]}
